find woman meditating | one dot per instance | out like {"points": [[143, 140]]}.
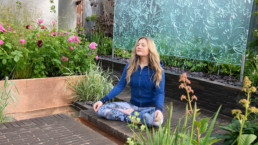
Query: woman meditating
{"points": [[146, 78]]}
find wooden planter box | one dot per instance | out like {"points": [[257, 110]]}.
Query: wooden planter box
{"points": [[40, 93], [210, 94]]}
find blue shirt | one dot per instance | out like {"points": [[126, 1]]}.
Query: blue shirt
{"points": [[144, 92]]}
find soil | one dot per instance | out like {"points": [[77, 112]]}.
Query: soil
{"points": [[225, 79]]}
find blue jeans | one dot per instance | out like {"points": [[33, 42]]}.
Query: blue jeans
{"points": [[146, 114]]}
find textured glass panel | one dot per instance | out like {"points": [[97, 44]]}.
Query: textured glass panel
{"points": [[213, 30]]}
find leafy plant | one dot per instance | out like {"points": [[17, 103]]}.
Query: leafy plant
{"points": [[7, 96], [182, 135], [242, 131], [233, 130], [92, 86]]}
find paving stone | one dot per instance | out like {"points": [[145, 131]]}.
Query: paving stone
{"points": [[55, 129]]}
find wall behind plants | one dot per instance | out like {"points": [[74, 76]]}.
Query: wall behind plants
{"points": [[31, 10], [67, 14]]}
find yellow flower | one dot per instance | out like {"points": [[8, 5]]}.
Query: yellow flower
{"points": [[244, 89], [253, 110], [244, 102], [236, 111], [253, 89], [243, 117], [247, 82]]}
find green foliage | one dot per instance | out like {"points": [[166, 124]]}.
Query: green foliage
{"points": [[29, 60], [182, 135], [92, 86], [104, 43], [93, 17], [123, 53], [7, 96], [233, 128]]}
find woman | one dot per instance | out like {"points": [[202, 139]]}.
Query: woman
{"points": [[146, 78]]}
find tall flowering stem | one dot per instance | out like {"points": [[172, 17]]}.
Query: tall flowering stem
{"points": [[248, 89], [185, 84]]}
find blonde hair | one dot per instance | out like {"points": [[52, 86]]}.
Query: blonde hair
{"points": [[154, 61]]}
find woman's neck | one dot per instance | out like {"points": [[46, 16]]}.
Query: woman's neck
{"points": [[144, 61]]}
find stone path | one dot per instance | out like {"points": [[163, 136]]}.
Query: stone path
{"points": [[55, 129]]}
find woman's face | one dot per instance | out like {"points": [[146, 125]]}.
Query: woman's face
{"points": [[142, 48]]}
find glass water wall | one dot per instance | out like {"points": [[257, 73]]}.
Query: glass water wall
{"points": [[212, 30]]}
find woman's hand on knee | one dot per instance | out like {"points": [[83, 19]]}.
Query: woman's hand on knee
{"points": [[158, 115], [126, 111], [97, 105]]}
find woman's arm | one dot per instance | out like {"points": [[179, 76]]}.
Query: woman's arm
{"points": [[160, 93], [118, 88]]}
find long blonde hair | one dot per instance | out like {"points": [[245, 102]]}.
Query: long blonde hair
{"points": [[154, 61]]}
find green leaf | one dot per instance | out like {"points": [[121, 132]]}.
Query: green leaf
{"points": [[204, 126], [4, 61], [16, 58], [197, 124], [247, 139], [2, 37], [9, 45]]}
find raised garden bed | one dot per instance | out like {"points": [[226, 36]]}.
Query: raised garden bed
{"points": [[210, 94]]}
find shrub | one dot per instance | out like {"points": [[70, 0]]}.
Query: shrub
{"points": [[92, 86]]}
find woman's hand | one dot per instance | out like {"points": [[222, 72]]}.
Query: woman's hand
{"points": [[97, 105], [158, 115], [126, 111]]}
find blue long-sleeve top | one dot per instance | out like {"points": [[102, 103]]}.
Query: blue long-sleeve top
{"points": [[144, 92]]}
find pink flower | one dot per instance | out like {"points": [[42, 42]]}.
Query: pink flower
{"points": [[71, 47], [1, 42], [194, 97], [64, 58], [40, 21], [2, 29], [44, 34], [183, 97], [93, 45], [56, 33], [38, 35], [61, 33], [97, 57], [53, 22], [71, 39], [66, 33], [51, 34], [43, 27], [9, 29], [22, 41], [0, 24], [14, 32]]}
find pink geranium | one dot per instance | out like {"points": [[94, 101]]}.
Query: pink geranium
{"points": [[43, 27], [56, 33], [9, 29], [22, 41], [38, 35], [93, 45], [44, 34], [71, 39], [51, 34], [66, 33], [71, 47], [64, 58], [1, 42], [2, 29], [53, 22], [40, 21], [97, 57], [14, 32]]}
